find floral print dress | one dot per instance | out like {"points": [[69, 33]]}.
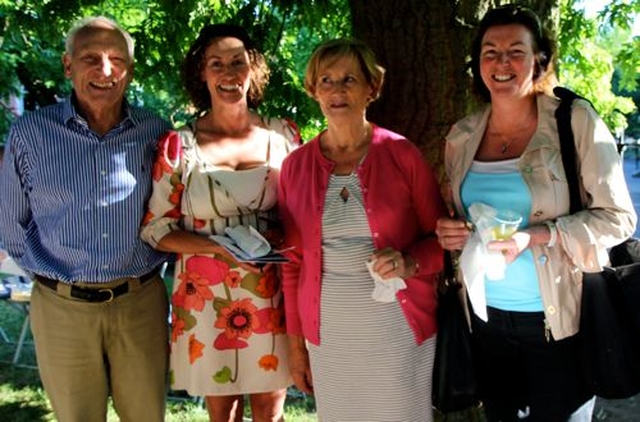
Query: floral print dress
{"points": [[227, 324]]}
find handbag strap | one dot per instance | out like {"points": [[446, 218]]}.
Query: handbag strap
{"points": [[448, 276], [568, 145]]}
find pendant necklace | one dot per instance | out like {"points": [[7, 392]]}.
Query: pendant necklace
{"points": [[344, 194]]}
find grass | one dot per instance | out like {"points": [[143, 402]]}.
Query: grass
{"points": [[22, 398]]}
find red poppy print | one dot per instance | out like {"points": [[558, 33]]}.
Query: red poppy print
{"points": [[177, 327], [267, 285], [147, 218], [271, 321], [238, 319], [192, 292], [207, 267], [198, 224], [169, 152], [222, 342], [233, 279], [176, 194]]}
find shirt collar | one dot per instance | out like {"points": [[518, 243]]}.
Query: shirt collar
{"points": [[70, 112]]}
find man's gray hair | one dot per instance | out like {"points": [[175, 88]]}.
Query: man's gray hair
{"points": [[97, 22]]}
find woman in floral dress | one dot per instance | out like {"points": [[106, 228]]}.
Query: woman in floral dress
{"points": [[221, 170]]}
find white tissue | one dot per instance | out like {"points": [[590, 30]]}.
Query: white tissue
{"points": [[477, 262], [244, 241], [493, 262], [384, 290], [472, 264]]}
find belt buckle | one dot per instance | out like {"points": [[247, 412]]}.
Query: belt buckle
{"points": [[110, 293]]}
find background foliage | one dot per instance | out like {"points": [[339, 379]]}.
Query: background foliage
{"points": [[598, 56]]}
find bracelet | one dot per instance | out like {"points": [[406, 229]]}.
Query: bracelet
{"points": [[554, 233]]}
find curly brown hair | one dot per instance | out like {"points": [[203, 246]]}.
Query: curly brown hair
{"points": [[193, 63]]}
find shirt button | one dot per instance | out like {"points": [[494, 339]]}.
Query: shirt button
{"points": [[537, 213], [403, 301], [105, 235], [543, 259], [105, 266], [103, 172], [103, 203], [551, 309], [376, 234], [527, 169]]}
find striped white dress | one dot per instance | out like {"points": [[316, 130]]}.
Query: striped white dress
{"points": [[368, 367]]}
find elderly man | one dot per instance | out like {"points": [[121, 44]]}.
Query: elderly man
{"points": [[74, 183]]}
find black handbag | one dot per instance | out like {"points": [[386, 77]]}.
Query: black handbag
{"points": [[610, 308], [454, 386]]}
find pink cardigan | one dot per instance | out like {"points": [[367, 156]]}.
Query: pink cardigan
{"points": [[402, 200]]}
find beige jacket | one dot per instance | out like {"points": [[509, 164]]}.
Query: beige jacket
{"points": [[608, 217]]}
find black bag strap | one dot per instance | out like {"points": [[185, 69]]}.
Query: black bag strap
{"points": [[568, 145], [628, 252], [448, 277]]}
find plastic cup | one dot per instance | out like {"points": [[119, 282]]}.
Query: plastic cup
{"points": [[506, 223]]}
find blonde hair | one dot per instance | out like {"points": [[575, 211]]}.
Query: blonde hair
{"points": [[333, 50]]}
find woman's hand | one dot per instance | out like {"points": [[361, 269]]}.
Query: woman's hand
{"points": [[299, 364], [521, 240], [452, 233], [391, 263]]}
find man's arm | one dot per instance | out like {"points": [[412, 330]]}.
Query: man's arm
{"points": [[15, 212]]}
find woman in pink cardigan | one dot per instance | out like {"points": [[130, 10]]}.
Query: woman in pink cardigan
{"points": [[360, 204]]}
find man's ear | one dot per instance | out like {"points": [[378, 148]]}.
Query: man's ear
{"points": [[130, 73], [66, 64]]}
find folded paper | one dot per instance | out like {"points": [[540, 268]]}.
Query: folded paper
{"points": [[246, 244]]}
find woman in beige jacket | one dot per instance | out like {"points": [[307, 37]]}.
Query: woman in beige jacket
{"points": [[507, 156]]}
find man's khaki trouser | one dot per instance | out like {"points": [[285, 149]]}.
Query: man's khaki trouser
{"points": [[87, 350]]}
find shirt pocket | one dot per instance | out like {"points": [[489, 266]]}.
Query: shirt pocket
{"points": [[547, 181]]}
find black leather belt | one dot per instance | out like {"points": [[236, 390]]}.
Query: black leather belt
{"points": [[96, 294]]}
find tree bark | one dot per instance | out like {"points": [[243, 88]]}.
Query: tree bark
{"points": [[425, 47]]}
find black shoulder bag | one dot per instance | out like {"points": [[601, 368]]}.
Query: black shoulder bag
{"points": [[454, 386], [610, 309]]}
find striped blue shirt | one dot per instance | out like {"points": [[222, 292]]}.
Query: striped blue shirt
{"points": [[72, 201]]}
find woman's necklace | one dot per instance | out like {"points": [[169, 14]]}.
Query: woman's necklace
{"points": [[523, 133], [346, 158]]}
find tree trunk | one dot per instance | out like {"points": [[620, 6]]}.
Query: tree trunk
{"points": [[424, 46]]}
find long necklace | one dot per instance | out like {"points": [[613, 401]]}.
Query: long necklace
{"points": [[525, 132], [353, 163]]}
